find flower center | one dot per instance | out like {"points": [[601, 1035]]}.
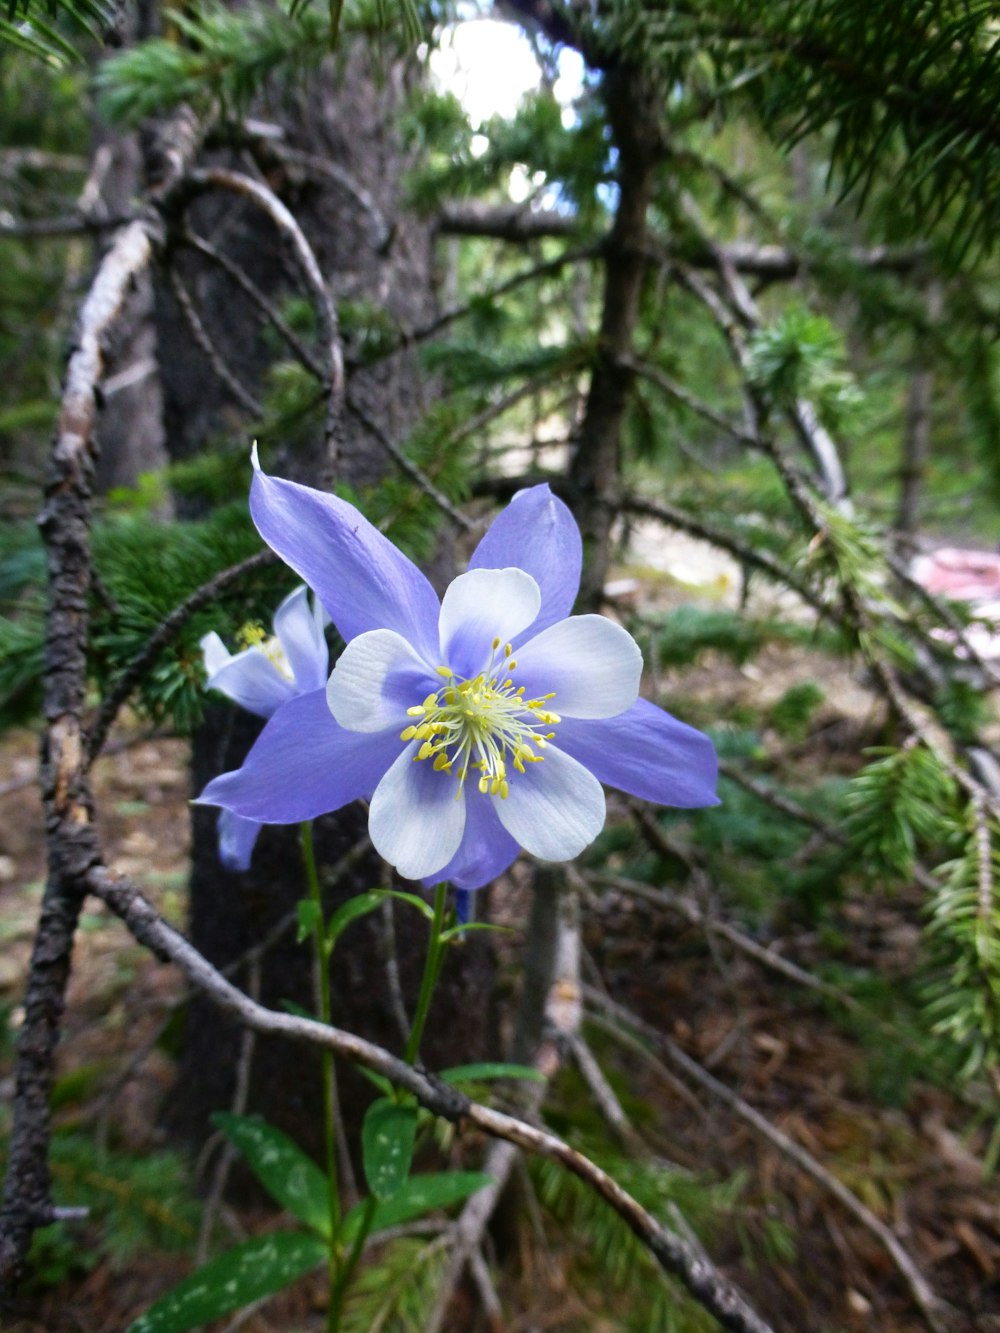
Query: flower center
{"points": [[482, 723], [254, 636]]}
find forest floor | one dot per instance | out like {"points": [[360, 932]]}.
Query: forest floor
{"points": [[911, 1144]]}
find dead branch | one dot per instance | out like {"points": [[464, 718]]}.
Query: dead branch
{"points": [[257, 298], [71, 839], [213, 356], [219, 178], [673, 1253], [503, 222]]}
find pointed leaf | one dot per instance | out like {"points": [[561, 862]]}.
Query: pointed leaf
{"points": [[419, 1195], [387, 1139], [241, 1275], [310, 914], [360, 905], [484, 1073], [282, 1168], [410, 898]]}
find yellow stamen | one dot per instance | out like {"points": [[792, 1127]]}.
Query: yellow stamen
{"points": [[482, 723]]}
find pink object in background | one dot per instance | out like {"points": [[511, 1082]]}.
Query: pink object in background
{"points": [[966, 576]]}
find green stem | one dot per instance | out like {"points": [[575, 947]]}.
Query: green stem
{"points": [[351, 1262], [432, 970], [329, 1094]]}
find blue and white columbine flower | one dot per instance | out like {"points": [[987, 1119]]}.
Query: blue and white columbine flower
{"points": [[270, 671], [476, 724]]}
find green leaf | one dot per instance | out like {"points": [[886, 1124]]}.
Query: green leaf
{"points": [[410, 898], [310, 915], [387, 1139], [240, 1276], [453, 931], [360, 905], [281, 1167], [485, 1072], [419, 1195], [383, 1084]]}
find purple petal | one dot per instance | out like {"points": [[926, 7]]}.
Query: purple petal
{"points": [[302, 765], [237, 839], [486, 850], [363, 581], [300, 633], [646, 752], [537, 533], [253, 681], [464, 901]]}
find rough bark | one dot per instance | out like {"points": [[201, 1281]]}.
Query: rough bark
{"points": [[369, 251], [70, 837], [595, 470]]}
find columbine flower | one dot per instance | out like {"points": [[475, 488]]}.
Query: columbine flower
{"points": [[476, 724], [270, 671]]}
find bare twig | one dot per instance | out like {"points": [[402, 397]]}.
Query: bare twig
{"points": [[762, 561], [219, 178], [257, 297], [203, 339], [673, 1254], [407, 465], [76, 224]]}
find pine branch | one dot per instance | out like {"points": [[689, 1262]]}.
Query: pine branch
{"points": [[168, 630]]}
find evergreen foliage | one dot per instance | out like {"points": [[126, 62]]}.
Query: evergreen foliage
{"points": [[854, 293]]}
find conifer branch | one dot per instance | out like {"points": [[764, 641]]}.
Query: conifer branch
{"points": [[158, 640]]}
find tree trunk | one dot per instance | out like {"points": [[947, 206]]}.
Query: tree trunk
{"points": [[337, 165], [595, 469]]}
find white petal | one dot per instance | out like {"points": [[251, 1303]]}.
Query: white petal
{"points": [[300, 633], [376, 678], [480, 606], [214, 653], [253, 681], [592, 665], [554, 809], [415, 821]]}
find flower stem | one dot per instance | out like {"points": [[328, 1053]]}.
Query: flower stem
{"points": [[351, 1262], [329, 1093], [432, 970]]}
